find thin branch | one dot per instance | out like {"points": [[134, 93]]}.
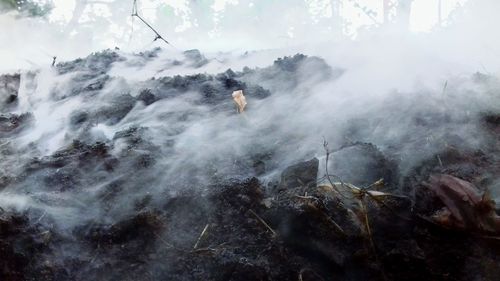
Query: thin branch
{"points": [[41, 217], [440, 162], [136, 14], [325, 146]]}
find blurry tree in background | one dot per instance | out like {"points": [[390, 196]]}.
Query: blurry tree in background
{"points": [[226, 24], [403, 12], [397, 11], [30, 8]]}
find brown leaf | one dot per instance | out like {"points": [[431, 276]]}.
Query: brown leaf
{"points": [[465, 205]]}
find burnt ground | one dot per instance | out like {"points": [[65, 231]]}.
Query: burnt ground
{"points": [[433, 221], [294, 232]]}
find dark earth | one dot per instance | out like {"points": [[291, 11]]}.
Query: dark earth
{"points": [[434, 220]]}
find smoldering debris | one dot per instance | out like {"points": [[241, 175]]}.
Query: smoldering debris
{"points": [[106, 178]]}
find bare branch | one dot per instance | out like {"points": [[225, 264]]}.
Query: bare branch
{"points": [[136, 14]]}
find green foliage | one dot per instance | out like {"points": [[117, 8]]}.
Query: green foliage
{"points": [[8, 4], [30, 8]]}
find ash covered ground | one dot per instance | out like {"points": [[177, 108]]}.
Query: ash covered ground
{"points": [[114, 168]]}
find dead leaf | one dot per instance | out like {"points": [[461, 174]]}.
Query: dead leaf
{"points": [[465, 205], [240, 100]]}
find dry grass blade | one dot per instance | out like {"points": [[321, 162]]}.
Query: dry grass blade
{"points": [[303, 270], [369, 233], [336, 225], [163, 241], [368, 229], [328, 218], [306, 197], [263, 222], [497, 238], [377, 196], [210, 249], [381, 202], [201, 236], [40, 218]]}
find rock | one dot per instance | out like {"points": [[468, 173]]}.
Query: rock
{"points": [[195, 58], [301, 174], [362, 164]]}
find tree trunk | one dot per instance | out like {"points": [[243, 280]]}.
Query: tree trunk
{"points": [[403, 13], [80, 6]]}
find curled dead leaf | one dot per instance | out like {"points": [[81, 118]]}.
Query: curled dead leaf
{"points": [[240, 100], [465, 206]]}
